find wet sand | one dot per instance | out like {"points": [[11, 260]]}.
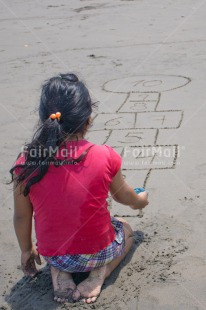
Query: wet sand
{"points": [[144, 61]]}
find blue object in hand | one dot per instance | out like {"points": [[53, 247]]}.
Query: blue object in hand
{"points": [[139, 190]]}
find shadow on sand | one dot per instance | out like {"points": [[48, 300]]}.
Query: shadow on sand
{"points": [[37, 293]]}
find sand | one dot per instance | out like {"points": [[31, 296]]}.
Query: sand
{"points": [[144, 61]]}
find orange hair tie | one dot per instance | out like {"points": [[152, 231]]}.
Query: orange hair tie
{"points": [[55, 115]]}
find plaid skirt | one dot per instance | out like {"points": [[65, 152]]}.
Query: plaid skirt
{"points": [[87, 262]]}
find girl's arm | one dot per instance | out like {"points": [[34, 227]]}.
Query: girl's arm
{"points": [[23, 212], [123, 193]]}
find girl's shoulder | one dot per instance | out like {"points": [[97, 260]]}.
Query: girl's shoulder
{"points": [[17, 166], [107, 149], [110, 150], [114, 158], [20, 159]]}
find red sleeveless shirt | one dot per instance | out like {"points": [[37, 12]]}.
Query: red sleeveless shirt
{"points": [[69, 203]]}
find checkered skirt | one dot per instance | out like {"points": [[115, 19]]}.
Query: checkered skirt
{"points": [[87, 262]]}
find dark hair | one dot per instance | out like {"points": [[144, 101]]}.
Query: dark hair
{"points": [[69, 96]]}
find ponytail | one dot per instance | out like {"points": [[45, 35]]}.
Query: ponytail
{"points": [[39, 154]]}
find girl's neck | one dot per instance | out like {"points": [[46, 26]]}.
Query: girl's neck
{"points": [[75, 137]]}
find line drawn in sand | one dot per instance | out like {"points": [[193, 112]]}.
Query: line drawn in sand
{"points": [[133, 129]]}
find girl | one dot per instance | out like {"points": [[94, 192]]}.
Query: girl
{"points": [[63, 180]]}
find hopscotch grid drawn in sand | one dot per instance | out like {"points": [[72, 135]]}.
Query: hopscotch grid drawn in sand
{"points": [[141, 101], [136, 123]]}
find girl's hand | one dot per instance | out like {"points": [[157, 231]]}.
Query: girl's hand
{"points": [[143, 202], [28, 260]]}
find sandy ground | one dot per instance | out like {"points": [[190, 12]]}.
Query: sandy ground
{"points": [[145, 62]]}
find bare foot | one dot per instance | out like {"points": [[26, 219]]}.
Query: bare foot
{"points": [[63, 285], [89, 289]]}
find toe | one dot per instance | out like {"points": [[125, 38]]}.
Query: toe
{"points": [[69, 296], [93, 299], [63, 296], [76, 295]]}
